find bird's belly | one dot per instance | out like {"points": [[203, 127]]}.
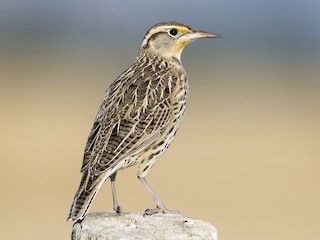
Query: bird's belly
{"points": [[130, 161], [149, 157]]}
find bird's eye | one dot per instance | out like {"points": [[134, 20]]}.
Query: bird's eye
{"points": [[173, 32]]}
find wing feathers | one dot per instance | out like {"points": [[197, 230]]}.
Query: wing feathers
{"points": [[132, 116]]}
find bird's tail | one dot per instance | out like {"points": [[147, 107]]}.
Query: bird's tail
{"points": [[83, 198]]}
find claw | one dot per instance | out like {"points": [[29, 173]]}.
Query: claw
{"points": [[118, 209], [152, 211], [157, 210]]}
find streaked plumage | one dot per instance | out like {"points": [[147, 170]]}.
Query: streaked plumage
{"points": [[139, 115]]}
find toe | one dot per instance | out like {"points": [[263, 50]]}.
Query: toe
{"points": [[118, 209]]}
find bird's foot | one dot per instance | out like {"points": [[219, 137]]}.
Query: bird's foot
{"points": [[118, 209], [152, 211]]}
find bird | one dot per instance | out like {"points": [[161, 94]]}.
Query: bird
{"points": [[138, 117]]}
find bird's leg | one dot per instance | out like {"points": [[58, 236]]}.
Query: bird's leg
{"points": [[116, 206], [160, 207]]}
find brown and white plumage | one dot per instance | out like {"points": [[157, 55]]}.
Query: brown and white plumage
{"points": [[139, 115]]}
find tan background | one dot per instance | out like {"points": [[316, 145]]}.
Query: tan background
{"points": [[247, 158]]}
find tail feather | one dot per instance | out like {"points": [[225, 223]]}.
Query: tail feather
{"points": [[87, 191], [84, 196]]}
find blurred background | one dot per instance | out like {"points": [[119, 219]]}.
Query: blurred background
{"points": [[247, 158]]}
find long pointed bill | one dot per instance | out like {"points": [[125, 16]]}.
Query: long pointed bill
{"points": [[197, 35], [188, 37]]}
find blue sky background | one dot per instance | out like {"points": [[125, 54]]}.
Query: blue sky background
{"points": [[285, 26]]}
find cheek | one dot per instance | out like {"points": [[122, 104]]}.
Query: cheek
{"points": [[162, 43]]}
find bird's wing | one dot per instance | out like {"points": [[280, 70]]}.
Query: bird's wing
{"points": [[131, 117]]}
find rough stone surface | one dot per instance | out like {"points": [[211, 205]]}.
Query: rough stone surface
{"points": [[132, 226]]}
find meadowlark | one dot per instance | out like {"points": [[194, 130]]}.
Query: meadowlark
{"points": [[139, 115]]}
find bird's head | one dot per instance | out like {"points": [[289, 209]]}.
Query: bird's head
{"points": [[168, 39]]}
